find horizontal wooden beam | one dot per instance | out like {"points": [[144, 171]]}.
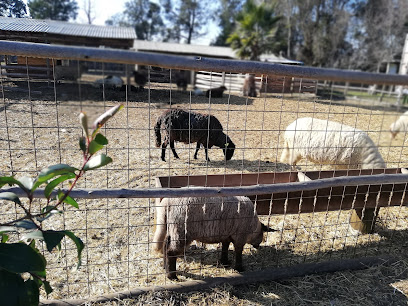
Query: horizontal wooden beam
{"points": [[325, 194]]}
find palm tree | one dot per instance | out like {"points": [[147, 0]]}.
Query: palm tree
{"points": [[255, 32]]}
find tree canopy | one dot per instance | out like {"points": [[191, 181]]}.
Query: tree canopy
{"points": [[226, 14], [255, 32], [13, 8], [53, 9], [186, 19]]}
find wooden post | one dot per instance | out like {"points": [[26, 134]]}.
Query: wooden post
{"points": [[363, 219]]}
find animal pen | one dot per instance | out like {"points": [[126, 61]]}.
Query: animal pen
{"points": [[322, 214]]}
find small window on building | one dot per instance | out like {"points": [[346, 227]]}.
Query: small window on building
{"points": [[12, 59]]}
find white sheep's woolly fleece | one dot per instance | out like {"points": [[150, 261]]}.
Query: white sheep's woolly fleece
{"points": [[330, 143]]}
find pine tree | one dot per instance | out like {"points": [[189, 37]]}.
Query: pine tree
{"points": [[53, 9], [13, 8]]}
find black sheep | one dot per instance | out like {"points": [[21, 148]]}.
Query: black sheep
{"points": [[188, 127], [140, 79], [216, 92]]}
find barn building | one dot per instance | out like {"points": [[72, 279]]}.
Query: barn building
{"points": [[202, 79], [62, 33]]}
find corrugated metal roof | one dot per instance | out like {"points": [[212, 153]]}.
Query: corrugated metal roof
{"points": [[272, 58], [144, 45], [65, 28], [183, 49]]}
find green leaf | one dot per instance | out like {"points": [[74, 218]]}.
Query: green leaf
{"points": [[27, 224], [7, 229], [49, 211], [83, 118], [33, 235], [51, 185], [53, 171], [67, 199], [97, 162], [47, 287], [78, 242], [94, 147], [27, 182], [99, 138], [32, 293], [101, 120], [82, 144], [15, 291], [98, 143], [42, 282], [19, 258], [10, 196], [4, 237], [52, 239], [9, 180]]}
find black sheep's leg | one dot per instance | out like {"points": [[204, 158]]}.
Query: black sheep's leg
{"points": [[206, 153], [164, 146], [224, 254], [196, 151], [173, 149], [238, 257]]}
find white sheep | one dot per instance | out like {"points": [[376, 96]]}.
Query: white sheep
{"points": [[401, 125], [331, 143], [110, 81], [179, 221]]}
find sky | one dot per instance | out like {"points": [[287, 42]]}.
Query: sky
{"points": [[104, 10]]}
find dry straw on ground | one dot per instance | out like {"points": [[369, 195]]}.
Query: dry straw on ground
{"points": [[43, 129]]}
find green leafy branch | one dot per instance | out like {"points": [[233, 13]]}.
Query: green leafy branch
{"points": [[23, 257]]}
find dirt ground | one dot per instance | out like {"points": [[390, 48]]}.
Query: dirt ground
{"points": [[39, 126]]}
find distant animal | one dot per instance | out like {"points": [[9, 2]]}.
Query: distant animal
{"points": [[189, 127], [249, 87], [215, 92], [179, 221], [110, 81], [330, 143], [372, 89], [140, 79], [197, 91], [69, 72], [131, 88], [181, 80], [401, 125]]}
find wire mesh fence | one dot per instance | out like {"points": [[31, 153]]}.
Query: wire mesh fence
{"points": [[39, 127]]}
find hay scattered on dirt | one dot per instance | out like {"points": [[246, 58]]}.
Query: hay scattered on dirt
{"points": [[44, 130]]}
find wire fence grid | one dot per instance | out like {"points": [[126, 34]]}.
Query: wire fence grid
{"points": [[310, 206]]}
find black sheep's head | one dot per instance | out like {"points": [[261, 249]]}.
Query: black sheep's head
{"points": [[229, 149]]}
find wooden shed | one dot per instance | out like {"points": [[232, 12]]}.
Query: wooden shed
{"points": [[58, 32], [203, 79]]}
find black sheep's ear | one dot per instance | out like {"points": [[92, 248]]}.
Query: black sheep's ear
{"points": [[267, 229]]}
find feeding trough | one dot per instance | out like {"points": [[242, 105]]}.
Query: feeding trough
{"points": [[364, 199]]}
